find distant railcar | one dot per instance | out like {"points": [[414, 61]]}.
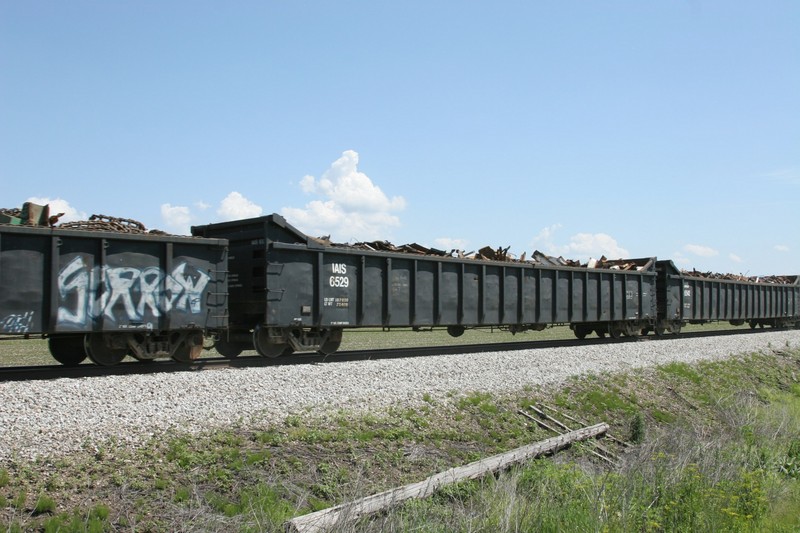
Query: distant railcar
{"points": [[687, 299], [106, 295]]}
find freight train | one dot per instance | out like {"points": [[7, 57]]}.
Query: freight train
{"points": [[263, 284]]}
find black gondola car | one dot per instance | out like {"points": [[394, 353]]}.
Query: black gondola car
{"points": [[686, 299], [108, 295], [290, 292]]}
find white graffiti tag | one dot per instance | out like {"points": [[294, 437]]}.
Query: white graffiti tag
{"points": [[17, 323], [86, 293]]}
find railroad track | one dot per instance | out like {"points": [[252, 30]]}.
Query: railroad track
{"points": [[86, 370]]}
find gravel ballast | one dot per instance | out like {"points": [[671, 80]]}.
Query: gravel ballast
{"points": [[61, 416]]}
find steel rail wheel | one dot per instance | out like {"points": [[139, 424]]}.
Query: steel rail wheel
{"points": [[100, 352], [67, 349], [229, 350], [265, 348]]}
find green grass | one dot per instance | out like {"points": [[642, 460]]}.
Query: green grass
{"points": [[681, 370], [25, 352]]}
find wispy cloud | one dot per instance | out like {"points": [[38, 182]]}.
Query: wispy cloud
{"points": [[546, 235], [781, 248], [735, 258], [350, 206], [679, 258], [700, 250], [787, 175]]}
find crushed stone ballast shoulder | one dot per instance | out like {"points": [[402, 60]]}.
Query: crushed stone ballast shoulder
{"points": [[65, 415]]}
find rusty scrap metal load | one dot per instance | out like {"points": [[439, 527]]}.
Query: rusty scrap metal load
{"points": [[107, 223], [30, 215], [489, 253], [39, 215], [781, 280]]}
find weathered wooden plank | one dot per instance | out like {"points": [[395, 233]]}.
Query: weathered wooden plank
{"points": [[608, 436], [327, 519], [554, 430], [565, 427]]}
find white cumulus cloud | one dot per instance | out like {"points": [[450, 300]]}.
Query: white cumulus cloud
{"points": [[58, 205], [177, 218], [235, 206], [781, 248], [585, 245], [700, 250], [349, 205], [581, 246]]}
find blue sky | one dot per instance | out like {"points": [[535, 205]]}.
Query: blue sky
{"points": [[623, 128]]}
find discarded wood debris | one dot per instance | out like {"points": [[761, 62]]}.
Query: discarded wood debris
{"points": [[609, 436], [502, 254], [328, 519], [490, 253], [740, 277], [606, 454]]}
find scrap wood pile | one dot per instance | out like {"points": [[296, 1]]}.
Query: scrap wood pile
{"points": [[489, 253], [603, 262], [782, 280]]}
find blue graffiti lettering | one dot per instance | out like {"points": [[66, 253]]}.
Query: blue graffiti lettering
{"points": [[17, 323]]}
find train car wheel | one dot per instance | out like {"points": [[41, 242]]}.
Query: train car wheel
{"points": [[265, 348], [581, 331], [329, 347], [660, 331], [629, 329], [272, 350], [227, 349], [455, 331], [67, 349], [100, 352], [186, 354]]}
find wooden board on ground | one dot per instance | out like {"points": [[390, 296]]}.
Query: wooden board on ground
{"points": [[328, 519]]}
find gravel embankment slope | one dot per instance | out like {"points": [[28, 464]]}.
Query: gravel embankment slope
{"points": [[61, 416]]}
